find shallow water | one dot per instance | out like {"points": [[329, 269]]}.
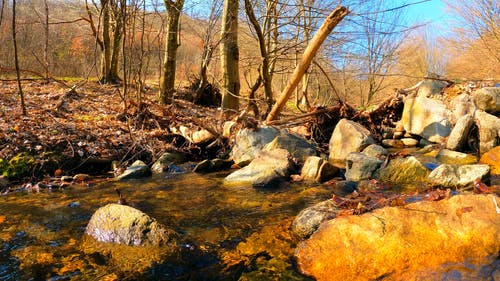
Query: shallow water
{"points": [[227, 233]]}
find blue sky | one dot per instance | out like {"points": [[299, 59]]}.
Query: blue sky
{"points": [[433, 11]]}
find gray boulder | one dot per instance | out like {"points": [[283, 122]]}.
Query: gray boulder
{"points": [[166, 159], [375, 150], [458, 136], [267, 169], [318, 170], [248, 143], [489, 130], [125, 225], [487, 99], [360, 166], [298, 147], [309, 219], [138, 169], [347, 137], [447, 175], [461, 105], [403, 171], [427, 118]]}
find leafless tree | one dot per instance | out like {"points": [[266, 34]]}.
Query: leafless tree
{"points": [[16, 59], [230, 56]]}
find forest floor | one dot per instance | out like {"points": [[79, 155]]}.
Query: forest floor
{"points": [[84, 129]]}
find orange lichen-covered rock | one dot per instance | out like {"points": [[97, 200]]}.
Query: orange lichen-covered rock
{"points": [[492, 158]]}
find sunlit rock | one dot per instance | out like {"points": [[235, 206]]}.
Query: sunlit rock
{"points": [[459, 134], [427, 118], [318, 170], [298, 147], [267, 169], [403, 171], [308, 220], [166, 159], [249, 142], [492, 158], [487, 99], [447, 156], [431, 87], [138, 169], [347, 137], [122, 224], [360, 166], [202, 136], [447, 175], [489, 130], [400, 243]]}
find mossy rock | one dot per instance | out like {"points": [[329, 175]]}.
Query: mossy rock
{"points": [[19, 166]]}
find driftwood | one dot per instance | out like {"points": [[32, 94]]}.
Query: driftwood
{"points": [[331, 21]]}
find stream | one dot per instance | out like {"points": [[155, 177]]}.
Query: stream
{"points": [[228, 233]]}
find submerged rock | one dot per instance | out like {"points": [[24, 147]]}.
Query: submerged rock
{"points": [[267, 169], [248, 143], [446, 156], [138, 169], [492, 158], [403, 171], [347, 137], [309, 219], [401, 242], [318, 170], [447, 175], [360, 166], [120, 224]]}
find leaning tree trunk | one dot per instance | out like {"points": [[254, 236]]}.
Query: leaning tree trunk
{"points": [[230, 57], [167, 83], [331, 21]]}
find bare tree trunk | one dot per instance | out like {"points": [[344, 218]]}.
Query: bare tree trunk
{"points": [[46, 46], [167, 83], [331, 21], [118, 33], [230, 57], [16, 58], [264, 70], [106, 40]]}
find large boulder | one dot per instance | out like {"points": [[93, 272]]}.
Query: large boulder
{"points": [[404, 243], [492, 158], [138, 169], [489, 130], [347, 137], [487, 99], [459, 133], [249, 142], [360, 166], [427, 118], [309, 219], [267, 169], [125, 225], [375, 150], [447, 175], [403, 171], [298, 147], [318, 170]]}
